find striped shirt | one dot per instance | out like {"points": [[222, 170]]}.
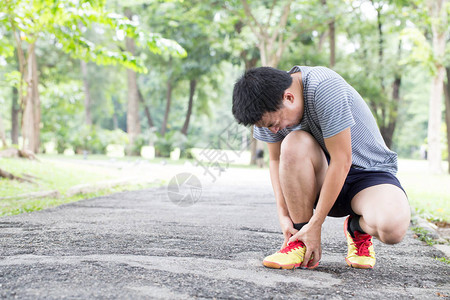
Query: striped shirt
{"points": [[330, 106]]}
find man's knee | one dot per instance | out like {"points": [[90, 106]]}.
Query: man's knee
{"points": [[296, 147], [393, 225]]}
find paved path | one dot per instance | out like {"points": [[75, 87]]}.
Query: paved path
{"points": [[141, 245]]}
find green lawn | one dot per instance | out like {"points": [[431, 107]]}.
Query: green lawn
{"points": [[53, 174], [429, 194]]}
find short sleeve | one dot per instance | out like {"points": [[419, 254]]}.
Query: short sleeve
{"points": [[332, 102], [265, 135]]}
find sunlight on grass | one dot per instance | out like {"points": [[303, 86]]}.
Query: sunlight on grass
{"points": [[18, 206], [53, 175], [429, 194], [49, 175]]}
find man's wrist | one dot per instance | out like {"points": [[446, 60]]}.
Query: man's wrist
{"points": [[317, 220], [282, 212]]}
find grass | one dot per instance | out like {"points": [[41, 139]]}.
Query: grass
{"points": [[53, 175], [18, 206], [423, 235], [429, 194], [443, 259], [156, 160]]}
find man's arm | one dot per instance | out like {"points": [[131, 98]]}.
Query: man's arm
{"points": [[283, 214], [339, 148]]}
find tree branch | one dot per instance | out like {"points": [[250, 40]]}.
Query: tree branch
{"points": [[271, 12], [248, 12], [283, 22]]}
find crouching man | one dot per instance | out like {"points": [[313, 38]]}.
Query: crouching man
{"points": [[327, 157]]}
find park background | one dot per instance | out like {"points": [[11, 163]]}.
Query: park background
{"points": [[90, 90]]}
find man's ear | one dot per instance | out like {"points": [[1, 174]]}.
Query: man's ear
{"points": [[288, 96]]}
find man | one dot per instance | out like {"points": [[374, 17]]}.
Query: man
{"points": [[326, 153]]}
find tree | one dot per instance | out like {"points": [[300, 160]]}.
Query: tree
{"points": [[439, 28], [277, 26], [28, 20], [87, 93], [331, 36], [2, 132], [387, 110], [374, 66], [447, 113], [133, 122]]}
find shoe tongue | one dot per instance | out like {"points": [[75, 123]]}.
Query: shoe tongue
{"points": [[360, 235], [293, 245]]}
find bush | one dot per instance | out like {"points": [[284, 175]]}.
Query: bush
{"points": [[95, 139], [173, 139]]}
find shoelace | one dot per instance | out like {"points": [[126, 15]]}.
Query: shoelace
{"points": [[362, 244], [292, 246]]}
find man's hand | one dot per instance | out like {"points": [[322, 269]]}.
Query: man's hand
{"points": [[310, 235], [288, 229]]}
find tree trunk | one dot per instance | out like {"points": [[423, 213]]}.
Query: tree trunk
{"points": [[147, 110], [447, 114], [332, 44], [116, 108], [37, 104], [389, 126], [380, 48], [332, 37], [168, 102], [439, 28], [192, 86], [31, 117], [2, 133], [15, 109], [87, 94], [434, 123], [133, 122], [388, 130]]}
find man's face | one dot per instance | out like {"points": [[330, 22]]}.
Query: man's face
{"points": [[288, 115]]}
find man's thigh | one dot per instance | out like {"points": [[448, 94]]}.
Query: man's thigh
{"points": [[365, 191], [381, 200]]}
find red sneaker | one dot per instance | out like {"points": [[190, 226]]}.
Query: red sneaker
{"points": [[360, 249]]}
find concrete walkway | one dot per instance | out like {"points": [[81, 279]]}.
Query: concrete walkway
{"points": [[141, 244]]}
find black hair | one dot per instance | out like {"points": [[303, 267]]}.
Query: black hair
{"points": [[258, 91]]}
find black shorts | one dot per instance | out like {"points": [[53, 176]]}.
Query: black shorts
{"points": [[356, 181]]}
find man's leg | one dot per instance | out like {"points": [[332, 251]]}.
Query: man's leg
{"points": [[302, 171], [384, 211]]}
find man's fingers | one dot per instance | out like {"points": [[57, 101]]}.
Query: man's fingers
{"points": [[286, 240], [316, 258], [306, 258], [284, 243], [293, 238]]}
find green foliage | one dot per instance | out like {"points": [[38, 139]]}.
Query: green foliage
{"points": [[95, 139], [424, 236], [422, 52], [443, 259], [213, 40], [67, 21]]}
